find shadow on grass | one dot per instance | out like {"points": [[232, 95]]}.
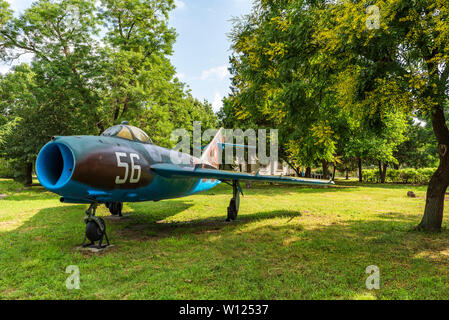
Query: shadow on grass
{"points": [[140, 230], [142, 222], [268, 189], [399, 216], [26, 193]]}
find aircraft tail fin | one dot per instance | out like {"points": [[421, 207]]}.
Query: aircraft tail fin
{"points": [[211, 152]]}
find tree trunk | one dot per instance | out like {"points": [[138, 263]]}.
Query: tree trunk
{"points": [[379, 177], [333, 172], [382, 172], [360, 169], [308, 172], [347, 174], [29, 174], [433, 213], [325, 169]]}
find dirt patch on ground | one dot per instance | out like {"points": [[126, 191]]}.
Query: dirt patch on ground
{"points": [[3, 196]]}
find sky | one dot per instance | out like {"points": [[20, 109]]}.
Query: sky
{"points": [[202, 49]]}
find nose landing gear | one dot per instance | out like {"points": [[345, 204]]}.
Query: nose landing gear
{"points": [[95, 228]]}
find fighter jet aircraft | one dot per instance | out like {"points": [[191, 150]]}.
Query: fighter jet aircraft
{"points": [[123, 165]]}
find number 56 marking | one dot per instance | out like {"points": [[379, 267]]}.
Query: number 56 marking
{"points": [[134, 168]]}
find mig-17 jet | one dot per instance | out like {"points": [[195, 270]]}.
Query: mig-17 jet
{"points": [[124, 165]]}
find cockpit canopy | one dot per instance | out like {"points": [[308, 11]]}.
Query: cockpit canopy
{"points": [[125, 131]]}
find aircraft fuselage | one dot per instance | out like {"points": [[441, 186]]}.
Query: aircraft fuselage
{"points": [[83, 169]]}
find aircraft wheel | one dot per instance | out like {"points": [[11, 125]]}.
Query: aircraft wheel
{"points": [[94, 231], [95, 228], [115, 208], [232, 210]]}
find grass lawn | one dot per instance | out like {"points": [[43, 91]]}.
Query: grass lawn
{"points": [[288, 243]]}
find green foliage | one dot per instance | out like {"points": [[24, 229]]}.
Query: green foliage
{"points": [[16, 170], [370, 175], [392, 175], [420, 148], [82, 80], [407, 175], [276, 85], [320, 171], [399, 67], [286, 78], [5, 169]]}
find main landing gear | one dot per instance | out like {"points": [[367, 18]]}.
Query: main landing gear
{"points": [[95, 228], [234, 204]]}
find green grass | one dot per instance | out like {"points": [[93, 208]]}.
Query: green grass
{"points": [[288, 243]]}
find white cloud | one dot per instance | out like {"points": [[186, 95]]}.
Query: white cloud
{"points": [[217, 104], [219, 73], [179, 4]]}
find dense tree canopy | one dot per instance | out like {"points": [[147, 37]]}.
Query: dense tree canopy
{"points": [[281, 81], [343, 80], [93, 66]]}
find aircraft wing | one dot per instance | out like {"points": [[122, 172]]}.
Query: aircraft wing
{"points": [[172, 170]]}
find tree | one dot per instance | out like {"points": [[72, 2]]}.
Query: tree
{"points": [[87, 79], [5, 15], [419, 150], [282, 79], [398, 61], [383, 139], [279, 83]]}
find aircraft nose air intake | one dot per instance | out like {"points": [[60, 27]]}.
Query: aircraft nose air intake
{"points": [[55, 165]]}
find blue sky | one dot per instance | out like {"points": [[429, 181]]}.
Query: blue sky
{"points": [[201, 52]]}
